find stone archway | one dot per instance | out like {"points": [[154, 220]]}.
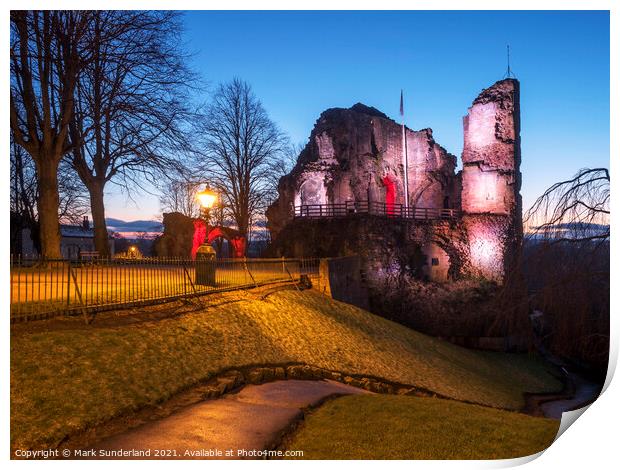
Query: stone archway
{"points": [[311, 192], [203, 234], [235, 238]]}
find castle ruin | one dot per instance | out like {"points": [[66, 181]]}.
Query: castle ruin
{"points": [[346, 193]]}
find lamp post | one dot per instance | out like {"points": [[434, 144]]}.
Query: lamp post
{"points": [[205, 256]]}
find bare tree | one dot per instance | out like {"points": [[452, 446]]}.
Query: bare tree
{"points": [[73, 196], [47, 56], [73, 204], [282, 166], [180, 196], [23, 194], [130, 106], [23, 197], [240, 150]]}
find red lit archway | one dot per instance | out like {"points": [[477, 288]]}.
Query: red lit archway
{"points": [[200, 233], [234, 237], [390, 194], [237, 241]]}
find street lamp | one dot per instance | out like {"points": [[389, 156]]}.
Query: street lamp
{"points": [[132, 252], [205, 255], [207, 199]]}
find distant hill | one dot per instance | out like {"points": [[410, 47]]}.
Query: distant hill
{"points": [[571, 230], [118, 225]]}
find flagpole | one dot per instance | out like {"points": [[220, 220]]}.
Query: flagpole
{"points": [[405, 157]]}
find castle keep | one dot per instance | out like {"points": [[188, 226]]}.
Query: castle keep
{"points": [[347, 193]]}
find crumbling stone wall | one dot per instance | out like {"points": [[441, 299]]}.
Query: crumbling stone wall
{"points": [[354, 153], [491, 199], [350, 156], [177, 239], [341, 279]]}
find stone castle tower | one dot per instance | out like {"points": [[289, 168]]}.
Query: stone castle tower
{"points": [[346, 193], [491, 179]]}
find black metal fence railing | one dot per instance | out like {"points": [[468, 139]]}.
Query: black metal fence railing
{"points": [[383, 209], [48, 288]]}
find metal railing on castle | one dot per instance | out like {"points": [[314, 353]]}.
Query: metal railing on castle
{"points": [[54, 287], [351, 208]]}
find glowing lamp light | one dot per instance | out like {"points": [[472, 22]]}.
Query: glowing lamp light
{"points": [[206, 198], [132, 248]]}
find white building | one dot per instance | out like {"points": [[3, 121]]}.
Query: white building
{"points": [[74, 241]]}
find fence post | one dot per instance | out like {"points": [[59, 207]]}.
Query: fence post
{"points": [[68, 283], [245, 264], [188, 278]]}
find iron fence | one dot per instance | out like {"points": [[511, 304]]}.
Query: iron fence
{"points": [[54, 287], [382, 209]]}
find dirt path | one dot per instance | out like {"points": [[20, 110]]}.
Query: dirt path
{"points": [[247, 421]]}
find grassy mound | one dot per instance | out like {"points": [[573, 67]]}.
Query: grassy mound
{"points": [[69, 379], [402, 427]]}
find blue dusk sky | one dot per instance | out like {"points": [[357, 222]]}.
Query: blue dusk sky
{"points": [[301, 63]]}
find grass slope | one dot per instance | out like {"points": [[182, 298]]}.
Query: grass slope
{"points": [[66, 380], [402, 427]]}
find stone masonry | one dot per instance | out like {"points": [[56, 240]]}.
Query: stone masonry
{"points": [[355, 155]]}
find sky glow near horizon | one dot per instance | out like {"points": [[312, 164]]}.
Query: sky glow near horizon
{"points": [[301, 63]]}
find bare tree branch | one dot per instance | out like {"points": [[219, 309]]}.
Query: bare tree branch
{"points": [[241, 150], [130, 107], [48, 51]]}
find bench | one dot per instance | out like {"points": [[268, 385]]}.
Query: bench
{"points": [[89, 255]]}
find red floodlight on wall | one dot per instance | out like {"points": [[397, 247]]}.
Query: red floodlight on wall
{"points": [[390, 194]]}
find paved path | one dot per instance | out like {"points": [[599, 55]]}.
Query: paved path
{"points": [[585, 393], [248, 420]]}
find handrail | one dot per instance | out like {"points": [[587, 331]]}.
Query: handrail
{"points": [[382, 209]]}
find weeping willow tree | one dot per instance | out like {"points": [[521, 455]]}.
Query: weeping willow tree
{"points": [[573, 211], [563, 272]]}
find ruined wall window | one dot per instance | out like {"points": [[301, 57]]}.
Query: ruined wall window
{"points": [[435, 262], [311, 192]]}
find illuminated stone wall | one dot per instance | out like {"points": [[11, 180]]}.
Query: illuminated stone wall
{"points": [[355, 154], [352, 153], [491, 179]]}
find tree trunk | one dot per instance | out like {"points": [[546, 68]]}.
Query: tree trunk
{"points": [[47, 207], [97, 209], [243, 228]]}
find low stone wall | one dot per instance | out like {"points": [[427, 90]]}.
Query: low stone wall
{"points": [[341, 279], [229, 381], [236, 378]]}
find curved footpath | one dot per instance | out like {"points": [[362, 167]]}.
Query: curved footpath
{"points": [[584, 393], [243, 424], [235, 426]]}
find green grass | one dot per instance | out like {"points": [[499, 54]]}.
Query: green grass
{"points": [[67, 380], [402, 427]]}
